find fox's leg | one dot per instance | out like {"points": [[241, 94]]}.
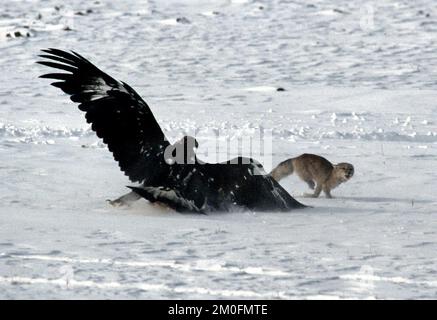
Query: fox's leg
{"points": [[316, 192], [311, 184], [327, 192], [306, 178], [126, 199]]}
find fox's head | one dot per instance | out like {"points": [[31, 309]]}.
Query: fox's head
{"points": [[344, 171]]}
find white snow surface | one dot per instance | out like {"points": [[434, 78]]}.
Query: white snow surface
{"points": [[364, 94]]}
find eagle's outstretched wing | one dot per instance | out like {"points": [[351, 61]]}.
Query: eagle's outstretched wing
{"points": [[117, 113]]}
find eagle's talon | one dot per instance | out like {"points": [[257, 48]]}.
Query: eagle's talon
{"points": [[116, 202]]}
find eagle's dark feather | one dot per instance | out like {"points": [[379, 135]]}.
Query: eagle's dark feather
{"points": [[126, 124]]}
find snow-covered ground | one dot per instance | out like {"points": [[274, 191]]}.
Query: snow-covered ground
{"points": [[360, 81]]}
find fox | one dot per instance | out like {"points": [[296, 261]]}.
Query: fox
{"points": [[319, 173]]}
